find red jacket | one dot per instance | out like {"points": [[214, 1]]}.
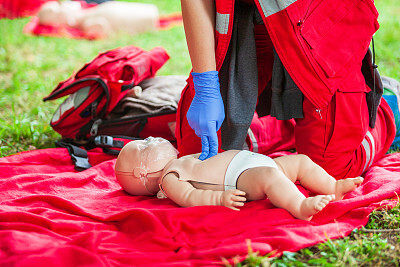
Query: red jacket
{"points": [[320, 42]]}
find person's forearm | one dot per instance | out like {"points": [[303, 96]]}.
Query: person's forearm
{"points": [[199, 23]]}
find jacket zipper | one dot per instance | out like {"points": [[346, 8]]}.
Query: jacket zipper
{"points": [[300, 22], [298, 36]]}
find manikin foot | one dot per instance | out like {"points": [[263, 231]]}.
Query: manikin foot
{"points": [[313, 205], [346, 185]]}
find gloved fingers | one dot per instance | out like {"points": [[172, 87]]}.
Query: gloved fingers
{"points": [[205, 148], [220, 120], [213, 143], [207, 105]]}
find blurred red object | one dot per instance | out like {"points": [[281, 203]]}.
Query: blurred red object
{"points": [[170, 20], [33, 27], [19, 8]]}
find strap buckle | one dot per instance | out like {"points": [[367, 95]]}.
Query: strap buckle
{"points": [[104, 141], [78, 155], [81, 163]]}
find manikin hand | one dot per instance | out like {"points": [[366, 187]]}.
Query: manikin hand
{"points": [[206, 112], [233, 199]]}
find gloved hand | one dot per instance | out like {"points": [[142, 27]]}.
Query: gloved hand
{"points": [[206, 112]]}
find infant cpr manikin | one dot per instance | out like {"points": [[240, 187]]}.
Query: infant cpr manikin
{"points": [[101, 20], [230, 178]]}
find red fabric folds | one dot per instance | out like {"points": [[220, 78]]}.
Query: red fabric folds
{"points": [[52, 215], [19, 8]]}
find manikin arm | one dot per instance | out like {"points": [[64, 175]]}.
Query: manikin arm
{"points": [[185, 195]]}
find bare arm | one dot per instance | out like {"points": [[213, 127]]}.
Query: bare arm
{"points": [[185, 195], [199, 23]]}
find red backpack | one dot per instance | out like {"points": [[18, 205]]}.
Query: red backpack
{"points": [[97, 88]]}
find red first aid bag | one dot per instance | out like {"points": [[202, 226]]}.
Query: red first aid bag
{"points": [[97, 88]]}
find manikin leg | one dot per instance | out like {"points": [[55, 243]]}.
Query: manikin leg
{"points": [[262, 182]]}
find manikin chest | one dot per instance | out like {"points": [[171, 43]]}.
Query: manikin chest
{"points": [[207, 174]]}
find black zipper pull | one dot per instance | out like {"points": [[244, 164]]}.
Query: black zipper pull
{"points": [[299, 23]]}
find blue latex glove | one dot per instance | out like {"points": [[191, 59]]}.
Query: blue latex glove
{"points": [[206, 112]]}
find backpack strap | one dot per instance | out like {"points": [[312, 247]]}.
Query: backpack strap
{"points": [[112, 144], [78, 155]]}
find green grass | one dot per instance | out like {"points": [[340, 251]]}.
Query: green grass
{"points": [[378, 244], [387, 38], [30, 67]]}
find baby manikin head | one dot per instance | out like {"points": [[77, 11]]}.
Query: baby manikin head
{"points": [[140, 164], [56, 13]]}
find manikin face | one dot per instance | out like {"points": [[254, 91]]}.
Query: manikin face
{"points": [[140, 164]]}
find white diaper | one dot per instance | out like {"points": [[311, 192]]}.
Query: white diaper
{"points": [[242, 161]]}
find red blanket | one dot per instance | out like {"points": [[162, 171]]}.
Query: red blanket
{"points": [[51, 215], [19, 8]]}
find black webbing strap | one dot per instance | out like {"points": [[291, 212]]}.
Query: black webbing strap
{"points": [[110, 144], [78, 155], [107, 141]]}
